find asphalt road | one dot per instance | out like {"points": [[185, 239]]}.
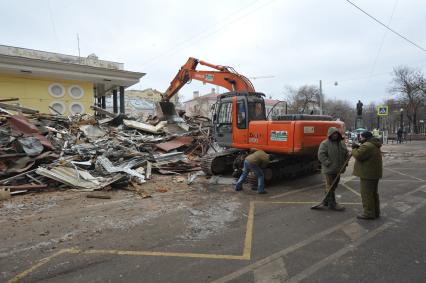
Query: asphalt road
{"points": [[218, 235]]}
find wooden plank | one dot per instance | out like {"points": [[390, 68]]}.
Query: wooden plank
{"points": [[18, 108], [103, 111]]}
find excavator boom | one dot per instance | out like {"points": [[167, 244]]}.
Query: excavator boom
{"points": [[222, 76]]}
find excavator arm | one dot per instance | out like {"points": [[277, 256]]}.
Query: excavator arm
{"points": [[222, 76]]}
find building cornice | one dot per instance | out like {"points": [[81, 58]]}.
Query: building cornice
{"points": [[51, 69]]}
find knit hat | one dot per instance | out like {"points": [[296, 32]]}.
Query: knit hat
{"points": [[367, 135]]}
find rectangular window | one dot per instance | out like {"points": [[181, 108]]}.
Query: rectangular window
{"points": [[241, 115], [256, 111], [225, 113]]}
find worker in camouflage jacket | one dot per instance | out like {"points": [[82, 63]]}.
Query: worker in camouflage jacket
{"points": [[369, 168], [332, 154], [255, 161]]}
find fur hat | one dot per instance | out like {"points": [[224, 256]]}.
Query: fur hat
{"points": [[367, 135]]}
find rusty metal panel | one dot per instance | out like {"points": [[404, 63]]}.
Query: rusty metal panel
{"points": [[22, 125], [175, 143]]}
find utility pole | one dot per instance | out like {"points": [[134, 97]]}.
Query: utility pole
{"points": [[78, 46]]}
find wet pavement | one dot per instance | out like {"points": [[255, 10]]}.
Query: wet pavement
{"points": [[209, 233]]}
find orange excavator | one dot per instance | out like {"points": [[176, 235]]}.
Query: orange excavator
{"points": [[226, 77], [240, 123]]}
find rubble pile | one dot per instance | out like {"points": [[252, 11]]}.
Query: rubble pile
{"points": [[84, 152]]}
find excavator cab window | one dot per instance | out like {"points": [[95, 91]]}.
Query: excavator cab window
{"points": [[256, 111], [225, 114], [241, 115]]}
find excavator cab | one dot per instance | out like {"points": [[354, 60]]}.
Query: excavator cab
{"points": [[233, 113]]}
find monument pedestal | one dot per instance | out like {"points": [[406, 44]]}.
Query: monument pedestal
{"points": [[359, 122]]}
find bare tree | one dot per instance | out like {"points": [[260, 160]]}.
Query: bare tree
{"points": [[409, 84], [304, 99], [342, 110], [369, 116]]}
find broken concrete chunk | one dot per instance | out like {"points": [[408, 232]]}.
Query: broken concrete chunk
{"points": [[145, 127], [4, 195], [92, 131], [192, 177]]}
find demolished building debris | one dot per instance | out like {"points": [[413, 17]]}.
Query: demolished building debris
{"points": [[86, 153]]}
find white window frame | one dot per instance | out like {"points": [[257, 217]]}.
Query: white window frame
{"points": [[73, 96], [57, 102], [52, 93], [76, 103]]}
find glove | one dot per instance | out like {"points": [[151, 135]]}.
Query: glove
{"points": [[355, 145]]}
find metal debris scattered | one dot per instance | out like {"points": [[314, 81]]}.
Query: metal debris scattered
{"points": [[86, 153]]}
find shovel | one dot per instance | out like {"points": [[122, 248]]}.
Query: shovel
{"points": [[317, 206]]}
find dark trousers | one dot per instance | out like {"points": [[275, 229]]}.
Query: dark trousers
{"points": [[329, 178], [370, 197]]}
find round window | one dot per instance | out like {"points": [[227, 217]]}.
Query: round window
{"points": [[57, 107], [76, 92], [56, 90], [76, 108]]}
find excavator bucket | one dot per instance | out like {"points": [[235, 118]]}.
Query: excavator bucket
{"points": [[166, 111]]}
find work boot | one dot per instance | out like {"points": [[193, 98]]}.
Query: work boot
{"points": [[364, 217], [336, 207], [262, 192]]}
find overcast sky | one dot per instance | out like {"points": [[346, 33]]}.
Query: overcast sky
{"points": [[295, 41]]}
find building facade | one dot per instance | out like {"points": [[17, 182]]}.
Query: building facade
{"points": [[201, 105], [142, 102], [275, 107], [59, 83]]}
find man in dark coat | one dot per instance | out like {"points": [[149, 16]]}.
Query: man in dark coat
{"points": [[369, 168], [255, 161], [399, 135], [332, 154]]}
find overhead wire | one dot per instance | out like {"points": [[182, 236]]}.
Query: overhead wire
{"points": [[387, 27], [210, 31], [186, 40], [373, 67]]}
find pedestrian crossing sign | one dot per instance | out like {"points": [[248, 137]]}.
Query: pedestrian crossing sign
{"points": [[383, 110]]}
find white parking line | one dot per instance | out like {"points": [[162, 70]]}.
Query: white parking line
{"points": [[297, 191], [354, 231], [272, 272], [403, 174]]}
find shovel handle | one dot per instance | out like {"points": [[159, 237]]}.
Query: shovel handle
{"points": [[341, 171]]}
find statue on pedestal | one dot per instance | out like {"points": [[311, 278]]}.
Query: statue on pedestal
{"points": [[359, 123], [359, 108]]}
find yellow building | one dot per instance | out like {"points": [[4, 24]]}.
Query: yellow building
{"points": [[52, 82]]}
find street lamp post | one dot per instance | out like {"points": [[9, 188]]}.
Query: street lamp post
{"points": [[402, 118], [321, 98]]}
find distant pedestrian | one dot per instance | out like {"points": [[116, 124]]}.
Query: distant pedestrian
{"points": [[332, 154], [255, 161], [399, 135], [369, 168]]}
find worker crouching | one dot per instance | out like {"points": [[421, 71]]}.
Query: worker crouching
{"points": [[332, 154], [255, 161]]}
